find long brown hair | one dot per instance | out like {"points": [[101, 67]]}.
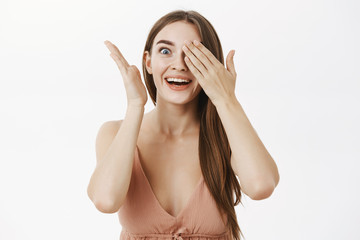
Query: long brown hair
{"points": [[214, 148]]}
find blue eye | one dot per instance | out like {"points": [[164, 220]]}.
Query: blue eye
{"points": [[164, 50]]}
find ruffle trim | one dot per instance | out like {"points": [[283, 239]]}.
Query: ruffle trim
{"points": [[125, 235]]}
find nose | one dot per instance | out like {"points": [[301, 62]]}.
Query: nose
{"points": [[179, 62]]}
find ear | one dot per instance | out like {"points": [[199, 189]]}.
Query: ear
{"points": [[147, 60]]}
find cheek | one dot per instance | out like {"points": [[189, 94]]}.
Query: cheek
{"points": [[159, 62], [159, 67]]}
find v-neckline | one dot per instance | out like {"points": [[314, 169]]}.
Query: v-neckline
{"points": [[156, 199]]}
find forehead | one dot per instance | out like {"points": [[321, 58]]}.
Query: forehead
{"points": [[178, 32]]}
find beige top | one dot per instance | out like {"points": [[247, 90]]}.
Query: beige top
{"points": [[143, 218]]}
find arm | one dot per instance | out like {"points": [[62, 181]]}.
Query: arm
{"points": [[252, 163], [250, 160], [110, 181]]}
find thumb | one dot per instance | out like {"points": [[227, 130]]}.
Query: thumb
{"points": [[230, 62]]}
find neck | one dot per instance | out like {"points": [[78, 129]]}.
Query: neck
{"points": [[176, 119]]}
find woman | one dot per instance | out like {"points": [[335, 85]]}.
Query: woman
{"points": [[171, 173]]}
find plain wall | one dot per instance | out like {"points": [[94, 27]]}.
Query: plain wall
{"points": [[297, 66]]}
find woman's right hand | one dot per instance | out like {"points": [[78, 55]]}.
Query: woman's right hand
{"points": [[135, 89]]}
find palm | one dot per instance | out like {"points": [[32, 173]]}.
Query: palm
{"points": [[135, 89]]}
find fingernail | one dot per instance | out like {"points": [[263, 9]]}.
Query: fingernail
{"points": [[196, 42]]}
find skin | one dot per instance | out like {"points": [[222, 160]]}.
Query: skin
{"points": [[171, 161], [168, 137], [175, 113]]}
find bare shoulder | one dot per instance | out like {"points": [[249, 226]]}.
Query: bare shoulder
{"points": [[108, 128], [113, 123], [105, 136]]}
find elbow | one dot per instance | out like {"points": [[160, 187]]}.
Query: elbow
{"points": [[103, 205], [107, 207], [261, 193], [263, 190]]}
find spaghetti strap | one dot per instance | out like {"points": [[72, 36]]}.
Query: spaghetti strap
{"points": [[142, 216]]}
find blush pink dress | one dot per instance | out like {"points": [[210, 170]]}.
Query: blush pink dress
{"points": [[143, 218]]}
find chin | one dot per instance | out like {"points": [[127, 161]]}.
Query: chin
{"points": [[182, 100]]}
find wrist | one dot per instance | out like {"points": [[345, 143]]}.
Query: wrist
{"points": [[135, 107], [226, 102]]}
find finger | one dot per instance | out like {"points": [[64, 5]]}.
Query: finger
{"points": [[119, 63], [207, 52], [193, 69], [199, 54], [195, 61], [230, 62], [113, 49]]}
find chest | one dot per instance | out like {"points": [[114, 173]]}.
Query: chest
{"points": [[172, 169]]}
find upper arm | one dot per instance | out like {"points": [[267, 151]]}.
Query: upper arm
{"points": [[257, 191], [233, 165], [235, 169], [104, 138]]}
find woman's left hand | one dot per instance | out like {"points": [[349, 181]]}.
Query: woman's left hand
{"points": [[217, 81]]}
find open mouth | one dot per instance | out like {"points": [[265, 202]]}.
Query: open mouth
{"points": [[178, 81]]}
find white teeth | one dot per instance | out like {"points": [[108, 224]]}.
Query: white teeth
{"points": [[176, 80]]}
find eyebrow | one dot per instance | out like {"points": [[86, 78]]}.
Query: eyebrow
{"points": [[166, 42]]}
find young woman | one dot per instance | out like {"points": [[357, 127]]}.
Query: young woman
{"points": [[171, 173]]}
